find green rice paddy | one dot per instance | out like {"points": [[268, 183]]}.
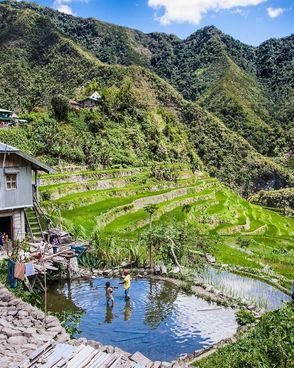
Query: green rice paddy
{"points": [[249, 235]]}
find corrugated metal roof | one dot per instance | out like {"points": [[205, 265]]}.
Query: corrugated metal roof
{"points": [[5, 148], [3, 110]]}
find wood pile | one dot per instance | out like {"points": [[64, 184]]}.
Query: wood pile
{"points": [[65, 355]]}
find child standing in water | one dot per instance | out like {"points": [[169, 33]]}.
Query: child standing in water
{"points": [[109, 294], [127, 284]]}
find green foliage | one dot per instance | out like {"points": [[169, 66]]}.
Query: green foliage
{"points": [[69, 320], [269, 344], [60, 107], [237, 82], [282, 198], [141, 118], [183, 240], [164, 172], [245, 317]]}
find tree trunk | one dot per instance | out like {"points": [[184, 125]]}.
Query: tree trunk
{"points": [[173, 253]]}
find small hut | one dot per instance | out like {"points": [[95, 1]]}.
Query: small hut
{"points": [[91, 101]]}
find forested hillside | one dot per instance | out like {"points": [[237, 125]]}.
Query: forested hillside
{"points": [[249, 88], [142, 119]]}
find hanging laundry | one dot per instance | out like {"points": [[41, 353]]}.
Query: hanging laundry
{"points": [[19, 271], [29, 269], [10, 274]]}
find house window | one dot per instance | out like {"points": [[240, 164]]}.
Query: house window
{"points": [[11, 182]]}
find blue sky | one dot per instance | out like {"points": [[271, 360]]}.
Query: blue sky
{"points": [[250, 21]]}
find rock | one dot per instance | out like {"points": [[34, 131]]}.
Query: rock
{"points": [[209, 289], [163, 269], [22, 313], [210, 258], [12, 312], [30, 347], [37, 314], [109, 349], [82, 340], [29, 332], [4, 323], [51, 320], [10, 332], [156, 269], [17, 340], [15, 301], [57, 329], [251, 307]]}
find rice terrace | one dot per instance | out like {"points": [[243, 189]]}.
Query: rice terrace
{"points": [[146, 184]]}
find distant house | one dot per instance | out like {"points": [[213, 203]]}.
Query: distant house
{"points": [[74, 104], [91, 101], [9, 118], [6, 118], [18, 193]]}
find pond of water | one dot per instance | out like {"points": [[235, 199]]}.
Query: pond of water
{"points": [[161, 321], [257, 291]]}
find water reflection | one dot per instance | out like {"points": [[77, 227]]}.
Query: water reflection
{"points": [[109, 314], [161, 298], [159, 320], [257, 291], [128, 310]]}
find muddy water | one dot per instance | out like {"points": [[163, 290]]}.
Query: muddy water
{"points": [[160, 321]]}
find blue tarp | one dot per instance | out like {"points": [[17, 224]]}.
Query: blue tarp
{"points": [[78, 249]]}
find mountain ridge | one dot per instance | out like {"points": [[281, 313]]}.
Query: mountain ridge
{"points": [[192, 64], [39, 61]]}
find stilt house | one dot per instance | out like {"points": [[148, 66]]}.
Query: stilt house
{"points": [[19, 210]]}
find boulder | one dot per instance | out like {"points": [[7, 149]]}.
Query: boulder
{"points": [[17, 340], [10, 332]]}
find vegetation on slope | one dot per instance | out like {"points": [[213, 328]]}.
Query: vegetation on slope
{"points": [[282, 198], [269, 344], [246, 235], [202, 68], [142, 118]]}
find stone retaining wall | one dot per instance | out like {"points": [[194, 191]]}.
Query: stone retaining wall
{"points": [[23, 328]]}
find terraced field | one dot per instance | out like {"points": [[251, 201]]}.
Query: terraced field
{"points": [[114, 201]]}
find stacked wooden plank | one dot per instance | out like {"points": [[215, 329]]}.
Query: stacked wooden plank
{"points": [[57, 355]]}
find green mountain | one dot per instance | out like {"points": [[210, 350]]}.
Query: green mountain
{"points": [[249, 88], [142, 119]]}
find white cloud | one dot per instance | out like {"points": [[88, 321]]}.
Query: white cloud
{"points": [[192, 11], [275, 12], [63, 8], [64, 5]]}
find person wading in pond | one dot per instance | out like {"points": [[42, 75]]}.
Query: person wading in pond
{"points": [[127, 284], [109, 294]]}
